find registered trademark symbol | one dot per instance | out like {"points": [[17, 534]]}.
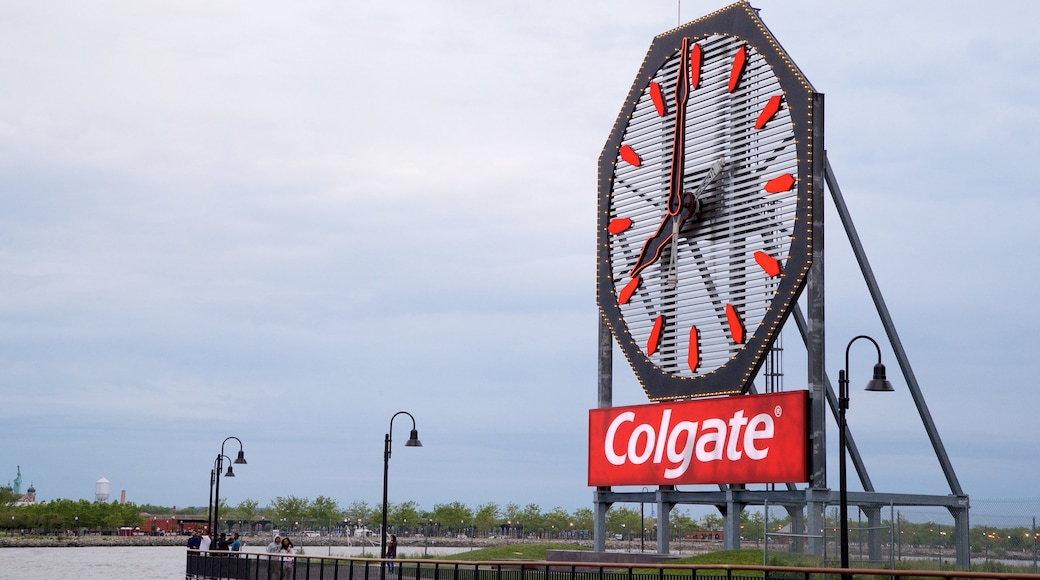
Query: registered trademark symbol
{"points": [[778, 410]]}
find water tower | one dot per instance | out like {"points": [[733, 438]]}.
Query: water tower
{"points": [[101, 490]]}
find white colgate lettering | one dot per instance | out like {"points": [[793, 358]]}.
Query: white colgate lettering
{"points": [[715, 440]]}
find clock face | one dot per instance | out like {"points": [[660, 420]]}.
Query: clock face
{"points": [[705, 206]]}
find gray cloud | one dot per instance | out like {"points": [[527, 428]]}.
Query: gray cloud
{"points": [[286, 223]]}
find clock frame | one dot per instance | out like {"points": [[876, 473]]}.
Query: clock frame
{"points": [[706, 205]]}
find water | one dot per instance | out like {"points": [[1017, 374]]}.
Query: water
{"points": [[142, 562]]}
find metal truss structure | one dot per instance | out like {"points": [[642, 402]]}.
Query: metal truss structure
{"points": [[804, 505]]}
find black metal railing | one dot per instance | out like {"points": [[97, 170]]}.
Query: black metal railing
{"points": [[263, 566]]}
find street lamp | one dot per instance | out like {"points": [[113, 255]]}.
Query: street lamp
{"points": [[878, 383], [218, 464], [413, 441]]}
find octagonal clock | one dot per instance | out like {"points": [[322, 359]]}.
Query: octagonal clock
{"points": [[706, 205]]}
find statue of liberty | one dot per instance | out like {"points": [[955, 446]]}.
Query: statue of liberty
{"points": [[18, 482]]}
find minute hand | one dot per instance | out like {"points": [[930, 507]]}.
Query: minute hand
{"points": [[674, 204], [682, 96]]}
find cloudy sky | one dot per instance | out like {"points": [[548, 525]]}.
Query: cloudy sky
{"points": [[286, 222]]}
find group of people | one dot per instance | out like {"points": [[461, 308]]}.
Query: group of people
{"points": [[204, 541], [283, 547]]}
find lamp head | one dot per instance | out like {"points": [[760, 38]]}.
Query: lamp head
{"points": [[241, 459], [229, 473], [879, 382], [413, 439]]}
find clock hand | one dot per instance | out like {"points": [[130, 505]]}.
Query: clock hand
{"points": [[694, 203], [674, 206], [654, 244], [682, 95]]}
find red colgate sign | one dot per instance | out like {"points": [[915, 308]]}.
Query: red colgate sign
{"points": [[747, 439]]}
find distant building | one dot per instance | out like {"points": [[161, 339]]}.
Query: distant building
{"points": [[101, 489], [27, 498], [174, 524]]}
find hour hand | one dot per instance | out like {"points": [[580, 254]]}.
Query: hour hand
{"points": [[666, 232]]}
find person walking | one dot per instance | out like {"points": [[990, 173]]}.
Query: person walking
{"points": [[391, 551], [236, 543]]}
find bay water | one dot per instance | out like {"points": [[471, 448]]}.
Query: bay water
{"points": [[143, 562]]}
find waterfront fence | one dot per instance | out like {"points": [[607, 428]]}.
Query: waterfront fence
{"points": [[263, 566]]}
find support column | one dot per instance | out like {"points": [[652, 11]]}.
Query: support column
{"points": [[605, 386], [664, 510], [731, 522], [815, 340], [604, 399], [599, 520], [960, 535], [815, 504], [874, 533], [796, 545]]}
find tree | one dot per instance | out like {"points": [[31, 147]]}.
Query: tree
{"points": [[623, 521], [556, 521], [486, 517], [713, 522], [531, 519], [403, 515], [288, 511], [453, 516], [681, 523], [8, 497], [324, 511], [752, 525], [583, 521], [511, 513], [357, 511], [244, 512]]}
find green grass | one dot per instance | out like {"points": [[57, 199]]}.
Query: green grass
{"points": [[511, 552], [731, 557], [734, 557]]}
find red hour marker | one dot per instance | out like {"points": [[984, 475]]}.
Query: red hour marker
{"points": [[628, 155], [618, 225], [736, 325], [628, 290], [769, 264], [780, 184], [655, 336], [657, 98], [695, 66], [771, 108], [739, 61], [694, 355]]}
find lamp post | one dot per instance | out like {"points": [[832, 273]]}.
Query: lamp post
{"points": [[642, 525], [218, 464], [413, 441], [209, 510], [878, 383], [214, 478]]}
